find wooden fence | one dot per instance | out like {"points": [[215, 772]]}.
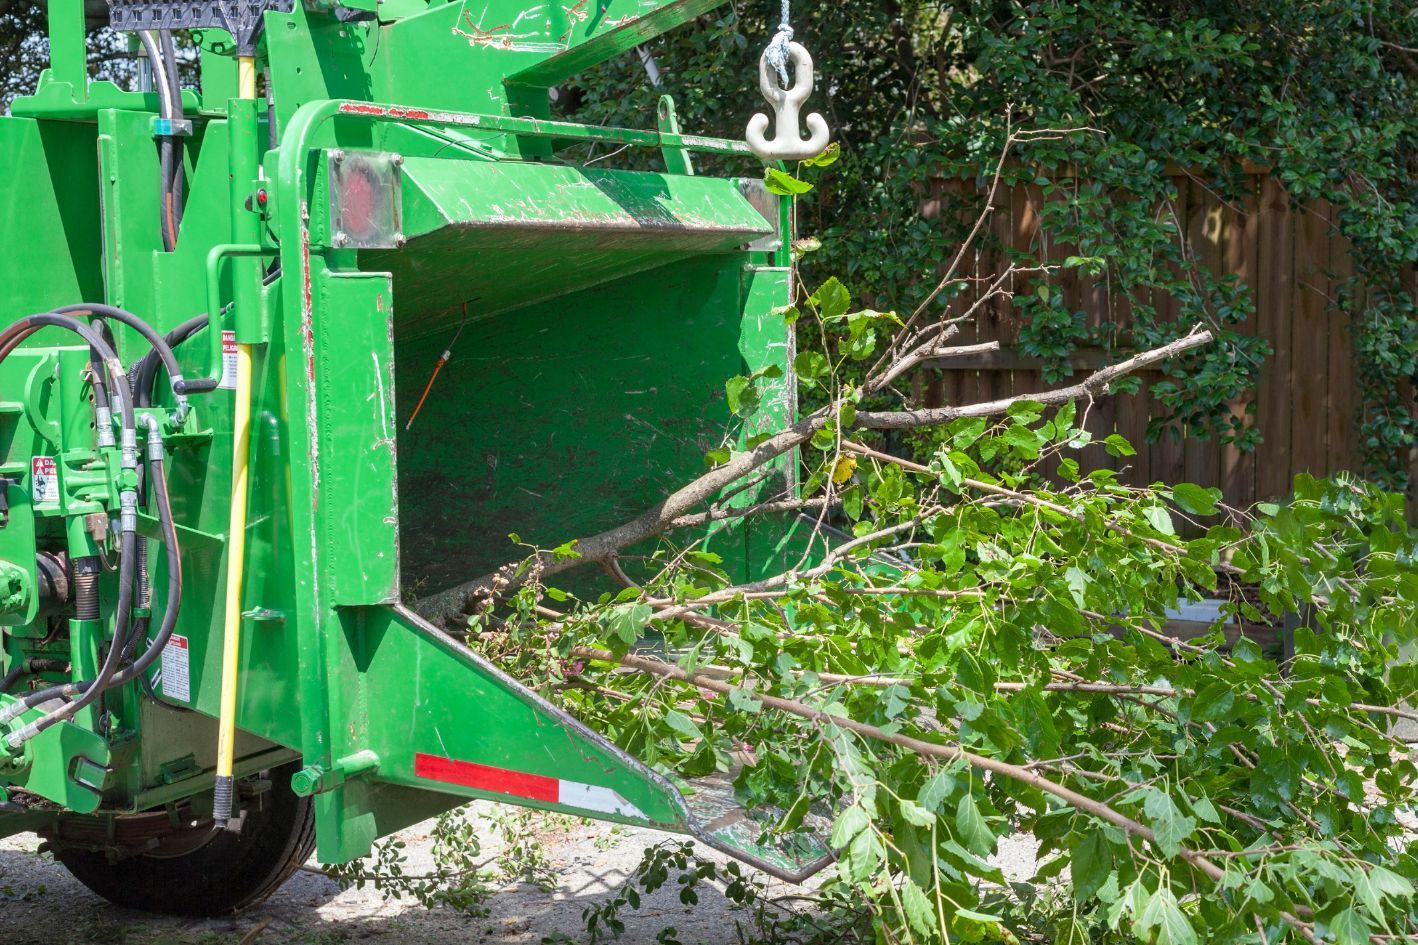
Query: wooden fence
{"points": [[1305, 406]]}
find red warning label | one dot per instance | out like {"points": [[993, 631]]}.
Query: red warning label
{"points": [[228, 360], [44, 483]]}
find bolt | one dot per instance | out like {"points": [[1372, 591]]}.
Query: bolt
{"points": [[398, 160], [400, 239], [308, 780], [338, 156], [340, 239]]}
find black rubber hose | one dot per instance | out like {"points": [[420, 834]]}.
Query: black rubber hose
{"points": [[149, 333], [18, 331], [145, 372], [167, 220], [87, 690], [177, 179], [12, 677], [167, 224], [173, 556], [118, 394], [117, 380]]}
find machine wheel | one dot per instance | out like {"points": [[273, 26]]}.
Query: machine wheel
{"points": [[224, 874]]}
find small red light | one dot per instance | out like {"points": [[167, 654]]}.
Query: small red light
{"points": [[261, 197]]}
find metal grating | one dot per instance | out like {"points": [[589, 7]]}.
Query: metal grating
{"points": [[240, 18]]}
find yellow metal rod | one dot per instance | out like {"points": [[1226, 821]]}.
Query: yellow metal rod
{"points": [[236, 544], [246, 77]]}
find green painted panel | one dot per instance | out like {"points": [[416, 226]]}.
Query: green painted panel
{"points": [[49, 253], [509, 234], [562, 418]]}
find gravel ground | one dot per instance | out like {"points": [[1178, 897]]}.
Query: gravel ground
{"points": [[41, 903]]}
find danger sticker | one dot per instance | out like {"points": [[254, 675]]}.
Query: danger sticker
{"points": [[176, 669], [44, 483], [228, 361]]}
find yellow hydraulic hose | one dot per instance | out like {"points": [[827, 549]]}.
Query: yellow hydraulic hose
{"points": [[236, 543]]}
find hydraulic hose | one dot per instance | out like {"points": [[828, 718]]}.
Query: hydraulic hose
{"points": [[168, 159], [145, 372], [171, 610], [179, 176], [89, 691], [18, 331], [172, 555], [119, 395], [159, 344]]}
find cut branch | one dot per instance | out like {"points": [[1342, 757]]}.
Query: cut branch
{"points": [[1091, 388], [682, 502]]}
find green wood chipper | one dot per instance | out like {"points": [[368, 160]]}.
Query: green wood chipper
{"points": [[228, 558]]}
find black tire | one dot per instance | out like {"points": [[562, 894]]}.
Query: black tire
{"points": [[226, 874]]}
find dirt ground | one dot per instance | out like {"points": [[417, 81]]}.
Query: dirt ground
{"points": [[42, 905]]}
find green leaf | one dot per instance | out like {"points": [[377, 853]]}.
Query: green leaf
{"points": [[627, 621], [1078, 582], [916, 815], [828, 156], [1090, 863], [1117, 445], [735, 388], [682, 724], [810, 365], [850, 822], [1164, 915], [864, 855], [793, 819], [971, 830], [784, 185], [1195, 499], [741, 701], [917, 907], [1159, 518], [1390, 884], [1349, 928], [1168, 823], [980, 917], [832, 299], [936, 789]]}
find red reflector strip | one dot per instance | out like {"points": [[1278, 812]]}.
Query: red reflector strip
{"points": [[485, 778]]}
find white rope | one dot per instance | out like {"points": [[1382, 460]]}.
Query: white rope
{"points": [[777, 51]]}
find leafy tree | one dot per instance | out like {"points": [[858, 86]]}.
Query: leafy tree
{"points": [[917, 90]]}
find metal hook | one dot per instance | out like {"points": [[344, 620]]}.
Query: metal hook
{"points": [[788, 143]]}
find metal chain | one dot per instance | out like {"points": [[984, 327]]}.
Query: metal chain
{"points": [[777, 51]]}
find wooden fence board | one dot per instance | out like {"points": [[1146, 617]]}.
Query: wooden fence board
{"points": [[1291, 260]]}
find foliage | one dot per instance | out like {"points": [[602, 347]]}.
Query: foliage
{"points": [[922, 90], [987, 654], [1010, 613], [462, 877]]}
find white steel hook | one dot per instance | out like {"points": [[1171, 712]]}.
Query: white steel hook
{"points": [[788, 143]]}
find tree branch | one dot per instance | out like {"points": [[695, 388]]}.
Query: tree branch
{"points": [[662, 516], [1092, 387]]}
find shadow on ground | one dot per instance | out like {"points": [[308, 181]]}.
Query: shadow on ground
{"points": [[42, 904]]}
